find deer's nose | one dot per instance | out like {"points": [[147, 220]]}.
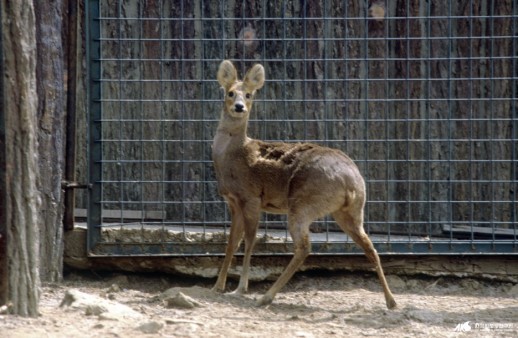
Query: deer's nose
{"points": [[239, 107]]}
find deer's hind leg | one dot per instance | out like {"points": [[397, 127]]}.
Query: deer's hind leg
{"points": [[298, 226], [352, 224], [234, 240]]}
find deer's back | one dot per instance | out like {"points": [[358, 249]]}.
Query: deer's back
{"points": [[279, 172]]}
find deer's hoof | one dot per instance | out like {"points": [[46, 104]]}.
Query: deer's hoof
{"points": [[217, 289], [264, 300], [391, 303], [236, 293]]}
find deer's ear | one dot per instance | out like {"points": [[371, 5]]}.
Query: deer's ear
{"points": [[227, 74], [254, 78]]}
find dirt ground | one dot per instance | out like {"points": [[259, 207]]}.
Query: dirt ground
{"points": [[313, 304]]}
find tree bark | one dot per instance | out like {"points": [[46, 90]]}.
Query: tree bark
{"points": [[4, 271], [51, 126], [21, 191]]}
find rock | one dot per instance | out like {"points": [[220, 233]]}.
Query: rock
{"points": [[395, 282], [97, 306], [94, 310], [114, 288], [470, 284], [413, 284], [4, 309], [120, 280], [513, 291], [180, 301], [115, 316], [205, 272], [150, 327]]}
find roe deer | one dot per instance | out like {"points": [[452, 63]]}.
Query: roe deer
{"points": [[303, 180]]}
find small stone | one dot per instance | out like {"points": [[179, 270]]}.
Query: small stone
{"points": [[293, 317], [120, 280], [150, 327], [181, 301], [94, 310], [95, 305], [114, 288], [4, 309]]}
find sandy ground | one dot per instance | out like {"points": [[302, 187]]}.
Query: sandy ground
{"points": [[315, 304]]}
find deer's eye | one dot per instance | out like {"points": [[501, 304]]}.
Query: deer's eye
{"points": [[230, 94], [248, 95]]}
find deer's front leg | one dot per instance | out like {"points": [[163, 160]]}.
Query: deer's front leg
{"points": [[234, 240], [251, 214]]}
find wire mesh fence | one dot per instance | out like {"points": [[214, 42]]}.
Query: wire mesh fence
{"points": [[422, 95]]}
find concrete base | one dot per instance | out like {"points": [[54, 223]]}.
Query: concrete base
{"points": [[502, 268]]}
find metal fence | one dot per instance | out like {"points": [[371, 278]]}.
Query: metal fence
{"points": [[422, 95]]}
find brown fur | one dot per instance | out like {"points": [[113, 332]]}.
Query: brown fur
{"points": [[303, 180]]}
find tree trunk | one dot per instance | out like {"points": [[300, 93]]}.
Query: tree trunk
{"points": [[51, 126], [21, 155], [4, 271]]}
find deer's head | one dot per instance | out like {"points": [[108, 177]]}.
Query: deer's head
{"points": [[239, 95]]}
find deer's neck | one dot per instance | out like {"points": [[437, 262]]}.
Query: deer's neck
{"points": [[231, 134]]}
